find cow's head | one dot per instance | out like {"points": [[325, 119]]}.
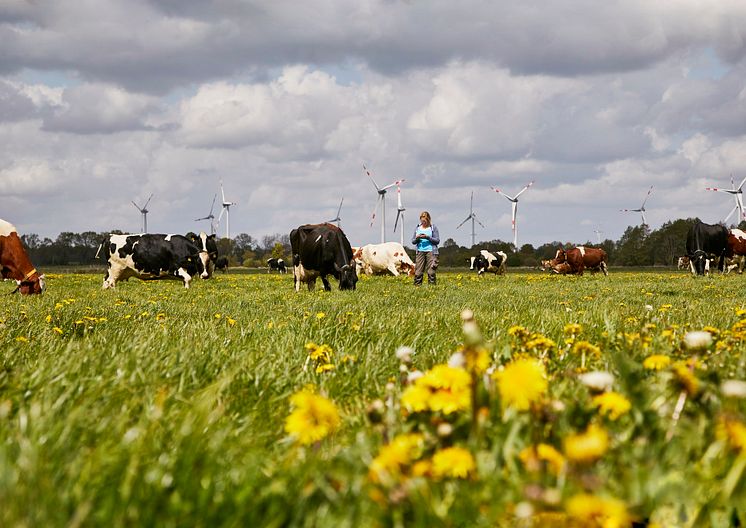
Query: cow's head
{"points": [[699, 262], [347, 275], [683, 262], [546, 264], [32, 283], [208, 252], [561, 256], [407, 268]]}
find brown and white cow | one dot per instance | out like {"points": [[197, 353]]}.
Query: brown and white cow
{"points": [[377, 259], [578, 259], [15, 263]]}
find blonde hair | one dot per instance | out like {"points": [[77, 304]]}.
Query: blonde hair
{"points": [[426, 215]]}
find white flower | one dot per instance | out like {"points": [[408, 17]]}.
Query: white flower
{"points": [[457, 360], [415, 374], [597, 380], [697, 340], [404, 354], [649, 307], [734, 388]]}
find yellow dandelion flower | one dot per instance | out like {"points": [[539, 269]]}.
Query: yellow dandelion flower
{"points": [[586, 348], [521, 383], [572, 329], [612, 404], [532, 457], [57, 330], [594, 511], [320, 315], [394, 457], [587, 446], [231, 321], [733, 432], [48, 318], [454, 462], [313, 417], [656, 362], [540, 343], [326, 367], [441, 389], [686, 378], [517, 331], [22, 339]]}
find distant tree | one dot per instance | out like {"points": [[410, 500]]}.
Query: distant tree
{"points": [[631, 249], [31, 240], [449, 243], [278, 251]]}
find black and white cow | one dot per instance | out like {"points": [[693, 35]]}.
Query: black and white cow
{"points": [[222, 264], [486, 261], [208, 246], [276, 264], [152, 257], [320, 250], [704, 240]]}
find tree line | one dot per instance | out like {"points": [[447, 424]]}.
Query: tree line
{"points": [[638, 246]]}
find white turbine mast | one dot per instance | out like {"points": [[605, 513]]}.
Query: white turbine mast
{"points": [[227, 211], [737, 193], [641, 210], [598, 235], [380, 202], [144, 211], [473, 217], [399, 212], [210, 217], [514, 211], [337, 218]]}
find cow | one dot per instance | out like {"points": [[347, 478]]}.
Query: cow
{"points": [[736, 262], [15, 263], [683, 262], [276, 264], [704, 240], [578, 259], [736, 249], [153, 257], [208, 250], [320, 250], [389, 257], [222, 264], [486, 261]]}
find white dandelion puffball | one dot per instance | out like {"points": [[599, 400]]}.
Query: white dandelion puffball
{"points": [[598, 380], [697, 340]]}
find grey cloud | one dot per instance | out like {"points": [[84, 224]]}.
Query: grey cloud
{"points": [[14, 104]]}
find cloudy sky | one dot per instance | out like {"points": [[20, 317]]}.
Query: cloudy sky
{"points": [[107, 101]]}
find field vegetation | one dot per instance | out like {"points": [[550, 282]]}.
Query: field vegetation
{"points": [[524, 400]]}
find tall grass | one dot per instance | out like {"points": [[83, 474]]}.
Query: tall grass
{"points": [[153, 405]]}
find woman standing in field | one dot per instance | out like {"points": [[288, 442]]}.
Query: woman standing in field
{"points": [[426, 239]]}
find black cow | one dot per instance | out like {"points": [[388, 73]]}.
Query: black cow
{"points": [[320, 250], [222, 264], [704, 240], [276, 264], [150, 257]]}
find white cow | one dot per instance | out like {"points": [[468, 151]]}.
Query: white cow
{"points": [[486, 261], [377, 259]]}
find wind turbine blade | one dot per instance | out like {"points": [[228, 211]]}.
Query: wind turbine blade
{"points": [[340, 206], [222, 192], [471, 203], [398, 198], [741, 184], [725, 220], [716, 189], [498, 191], [213, 204], [375, 211], [644, 220], [146, 203], [220, 216], [514, 214], [646, 197], [371, 177], [396, 222], [480, 223], [467, 219], [523, 190], [138, 207]]}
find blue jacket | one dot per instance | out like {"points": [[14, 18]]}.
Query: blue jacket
{"points": [[434, 239]]}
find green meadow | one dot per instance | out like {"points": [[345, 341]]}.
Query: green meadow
{"points": [[153, 405]]}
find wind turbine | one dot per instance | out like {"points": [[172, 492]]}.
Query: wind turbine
{"points": [[399, 212], [144, 211], [514, 200], [381, 201], [227, 211], [210, 216], [641, 210], [473, 217], [337, 218], [737, 193], [598, 235]]}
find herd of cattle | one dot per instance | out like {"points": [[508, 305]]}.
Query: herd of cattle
{"points": [[322, 250]]}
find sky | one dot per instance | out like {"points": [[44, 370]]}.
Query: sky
{"points": [[105, 102]]}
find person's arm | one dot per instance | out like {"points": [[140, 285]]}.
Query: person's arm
{"points": [[435, 238], [414, 237]]}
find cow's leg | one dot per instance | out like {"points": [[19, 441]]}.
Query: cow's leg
{"points": [[393, 270], [114, 274], [181, 272], [691, 266], [604, 268], [311, 284], [327, 286]]}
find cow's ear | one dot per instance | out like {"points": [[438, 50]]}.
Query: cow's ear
{"points": [[192, 236], [212, 236]]}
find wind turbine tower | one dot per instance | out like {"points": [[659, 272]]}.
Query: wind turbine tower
{"points": [[144, 211], [380, 201], [473, 217], [399, 212], [514, 210], [598, 235], [227, 211]]}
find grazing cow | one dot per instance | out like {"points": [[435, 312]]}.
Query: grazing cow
{"points": [[736, 262], [15, 263], [389, 257], [320, 250], [222, 264], [578, 259], [152, 257], [683, 262], [486, 261], [704, 240], [208, 250], [276, 264]]}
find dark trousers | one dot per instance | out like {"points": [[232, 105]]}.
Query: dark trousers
{"points": [[425, 261]]}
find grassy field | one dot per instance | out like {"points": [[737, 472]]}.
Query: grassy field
{"points": [[153, 405]]}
